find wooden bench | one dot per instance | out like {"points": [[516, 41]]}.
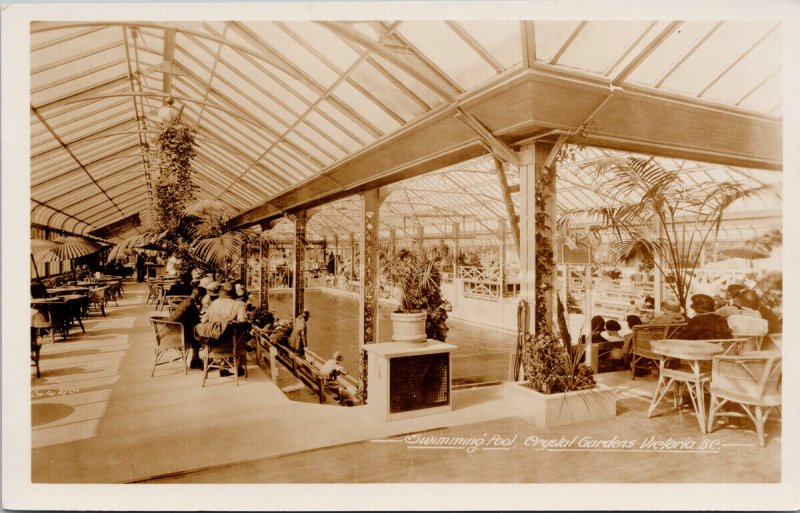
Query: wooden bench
{"points": [[301, 369], [310, 376]]}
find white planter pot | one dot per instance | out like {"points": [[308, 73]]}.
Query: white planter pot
{"points": [[408, 327], [554, 410]]}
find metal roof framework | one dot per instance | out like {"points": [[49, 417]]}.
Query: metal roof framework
{"points": [[298, 114]]}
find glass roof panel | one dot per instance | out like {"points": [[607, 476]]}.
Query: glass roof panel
{"points": [[500, 38], [723, 47], [592, 49], [337, 115], [764, 60], [437, 41], [335, 49], [396, 100], [366, 108], [422, 91], [768, 97], [551, 36]]}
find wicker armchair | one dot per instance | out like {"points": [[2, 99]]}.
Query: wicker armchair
{"points": [[97, 300], [640, 342], [228, 351], [169, 336], [752, 380]]}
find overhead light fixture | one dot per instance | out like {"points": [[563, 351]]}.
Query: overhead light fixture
{"points": [[165, 112]]}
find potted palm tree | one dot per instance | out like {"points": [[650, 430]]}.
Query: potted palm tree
{"points": [[655, 217], [422, 313]]}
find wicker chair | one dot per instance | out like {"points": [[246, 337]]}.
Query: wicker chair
{"points": [[97, 300], [152, 290], [751, 380], [640, 342], [172, 302], [169, 336], [227, 352], [752, 328]]}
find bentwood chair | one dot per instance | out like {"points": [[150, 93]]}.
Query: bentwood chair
{"points": [[229, 351], [169, 336], [752, 380]]}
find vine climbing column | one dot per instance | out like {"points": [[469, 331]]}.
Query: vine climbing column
{"points": [[298, 291], [537, 230], [368, 297]]}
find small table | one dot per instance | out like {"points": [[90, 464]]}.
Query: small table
{"points": [[65, 291], [692, 372]]}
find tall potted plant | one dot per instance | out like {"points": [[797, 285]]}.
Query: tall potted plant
{"points": [[422, 313], [656, 217]]}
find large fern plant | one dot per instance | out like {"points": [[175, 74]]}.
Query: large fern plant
{"points": [[657, 217]]}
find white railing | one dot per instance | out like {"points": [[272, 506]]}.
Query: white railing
{"points": [[480, 282]]}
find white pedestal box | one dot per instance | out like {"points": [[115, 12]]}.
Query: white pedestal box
{"points": [[409, 379]]}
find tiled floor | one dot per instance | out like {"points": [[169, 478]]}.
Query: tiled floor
{"points": [[99, 418]]}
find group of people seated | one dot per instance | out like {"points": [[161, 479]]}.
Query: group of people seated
{"points": [[207, 311], [740, 312]]}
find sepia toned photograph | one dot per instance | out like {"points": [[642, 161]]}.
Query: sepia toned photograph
{"points": [[317, 248]]}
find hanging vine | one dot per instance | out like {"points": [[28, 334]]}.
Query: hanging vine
{"points": [[174, 187]]}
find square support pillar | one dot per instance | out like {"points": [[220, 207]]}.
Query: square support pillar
{"points": [[369, 269], [352, 256], [299, 288], [264, 262], [537, 230]]}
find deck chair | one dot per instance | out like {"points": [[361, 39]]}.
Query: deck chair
{"points": [[641, 337], [228, 351], [169, 336], [752, 380]]}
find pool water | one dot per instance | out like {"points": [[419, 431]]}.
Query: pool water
{"points": [[483, 355]]}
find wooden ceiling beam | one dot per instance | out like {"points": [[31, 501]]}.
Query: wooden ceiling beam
{"points": [[635, 119]]}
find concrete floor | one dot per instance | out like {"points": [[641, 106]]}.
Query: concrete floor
{"points": [[97, 417]]}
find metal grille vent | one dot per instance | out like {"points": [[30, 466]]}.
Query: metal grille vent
{"points": [[419, 382]]}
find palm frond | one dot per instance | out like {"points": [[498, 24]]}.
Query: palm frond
{"points": [[217, 250]]}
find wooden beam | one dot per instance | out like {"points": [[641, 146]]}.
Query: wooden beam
{"points": [[637, 119], [498, 147], [511, 210], [527, 31], [169, 61]]}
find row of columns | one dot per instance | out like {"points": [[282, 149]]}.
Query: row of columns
{"points": [[537, 223]]}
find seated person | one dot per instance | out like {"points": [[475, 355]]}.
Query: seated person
{"points": [[188, 314], [330, 372], [38, 290], [632, 321], [598, 324], [670, 314], [183, 287], [705, 324], [212, 292], [728, 308], [612, 335], [612, 331], [224, 310], [280, 333]]}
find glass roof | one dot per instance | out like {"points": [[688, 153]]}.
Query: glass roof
{"points": [[276, 103]]}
